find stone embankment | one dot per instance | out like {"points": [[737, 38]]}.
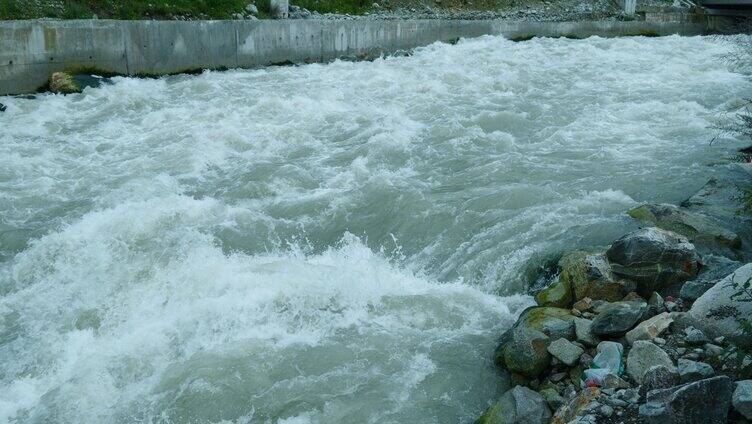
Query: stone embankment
{"points": [[653, 329]]}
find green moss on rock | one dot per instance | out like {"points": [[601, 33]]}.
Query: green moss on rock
{"points": [[589, 275], [558, 294]]}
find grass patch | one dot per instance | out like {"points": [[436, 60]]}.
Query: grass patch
{"points": [[129, 9], [161, 9], [351, 7]]}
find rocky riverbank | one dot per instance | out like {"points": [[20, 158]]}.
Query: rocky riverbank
{"points": [[652, 329]]}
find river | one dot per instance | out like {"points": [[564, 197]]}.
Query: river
{"points": [[328, 243]]}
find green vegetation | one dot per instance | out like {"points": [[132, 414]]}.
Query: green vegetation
{"points": [[160, 9], [129, 9], [352, 7]]}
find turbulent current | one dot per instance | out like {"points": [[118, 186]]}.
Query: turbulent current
{"points": [[338, 243]]}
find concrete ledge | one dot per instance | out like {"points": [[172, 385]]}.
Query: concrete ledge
{"points": [[32, 50]]}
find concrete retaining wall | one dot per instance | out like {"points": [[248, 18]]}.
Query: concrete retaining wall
{"points": [[31, 50]]}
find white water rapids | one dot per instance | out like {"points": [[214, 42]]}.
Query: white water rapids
{"points": [[339, 243]]}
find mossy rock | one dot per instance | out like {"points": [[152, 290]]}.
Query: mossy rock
{"points": [[527, 353], [519, 405], [553, 322], [589, 275], [523, 349], [490, 416], [558, 294], [61, 82], [576, 405], [697, 227]]}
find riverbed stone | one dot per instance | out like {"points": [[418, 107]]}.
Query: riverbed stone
{"points": [[696, 227], [742, 398], [694, 336], [565, 351], [650, 328], [656, 304], [552, 397], [589, 275], [523, 348], [618, 318], [576, 406], [553, 322], [644, 355], [654, 258], [659, 377], [719, 310], [519, 405], [693, 370], [703, 401], [583, 332], [583, 305], [524, 351], [714, 269], [613, 381]]}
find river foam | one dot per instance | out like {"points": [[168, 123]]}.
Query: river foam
{"points": [[326, 243]]}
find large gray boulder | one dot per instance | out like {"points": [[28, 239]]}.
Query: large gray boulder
{"points": [[705, 401], [519, 405], [618, 318], [643, 356], [584, 275], [697, 227], [718, 312], [654, 259], [742, 399]]}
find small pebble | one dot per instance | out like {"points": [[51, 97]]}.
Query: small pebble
{"points": [[694, 336], [3, 108], [585, 360], [692, 356], [719, 340], [617, 402], [659, 341], [558, 376], [681, 350], [607, 411], [712, 350]]}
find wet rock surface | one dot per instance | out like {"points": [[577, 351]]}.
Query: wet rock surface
{"points": [[703, 401], [642, 332], [655, 259], [519, 405]]}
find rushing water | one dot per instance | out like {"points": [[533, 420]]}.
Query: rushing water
{"points": [[336, 243]]}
